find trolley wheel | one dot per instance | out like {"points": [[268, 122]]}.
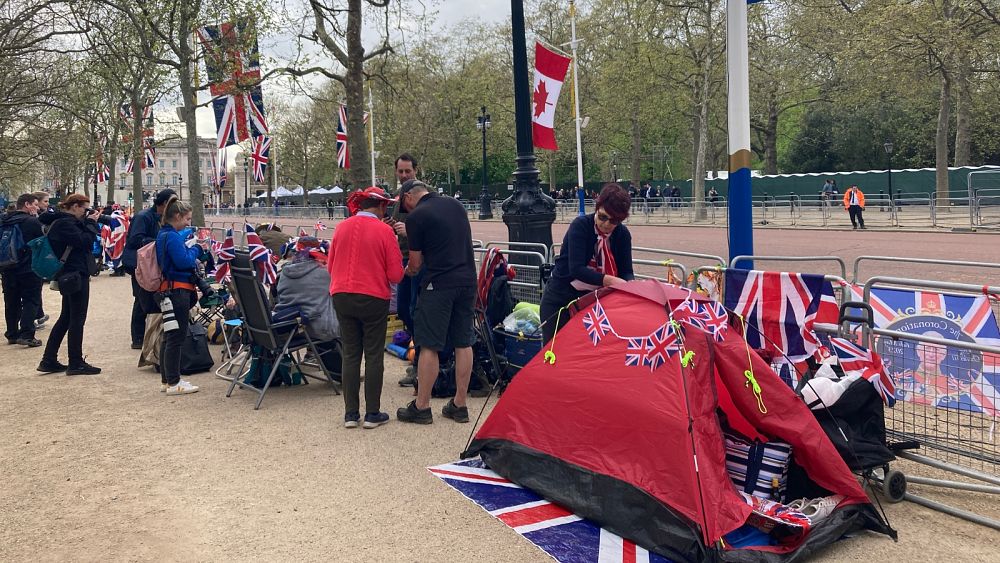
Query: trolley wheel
{"points": [[894, 485]]}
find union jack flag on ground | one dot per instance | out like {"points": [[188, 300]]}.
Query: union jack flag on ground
{"points": [[781, 309], [564, 536], [597, 324], [233, 64], [857, 360], [343, 151], [260, 156]]}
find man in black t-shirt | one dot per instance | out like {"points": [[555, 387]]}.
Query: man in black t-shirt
{"points": [[440, 238]]}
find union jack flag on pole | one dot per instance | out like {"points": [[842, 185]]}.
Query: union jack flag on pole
{"points": [[233, 64], [223, 169], [125, 111], [260, 156], [343, 151]]}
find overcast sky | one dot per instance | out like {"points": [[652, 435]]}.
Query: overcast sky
{"points": [[449, 14]]}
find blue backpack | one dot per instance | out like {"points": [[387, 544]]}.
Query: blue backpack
{"points": [[44, 262], [11, 245]]}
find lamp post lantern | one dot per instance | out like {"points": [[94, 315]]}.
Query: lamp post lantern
{"points": [[485, 200], [180, 187], [246, 185], [528, 212], [888, 150]]}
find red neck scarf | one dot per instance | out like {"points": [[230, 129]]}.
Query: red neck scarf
{"points": [[603, 260]]}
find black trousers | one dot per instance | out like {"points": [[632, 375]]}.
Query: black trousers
{"points": [[173, 341], [552, 301], [856, 216], [70, 325], [22, 296], [363, 319]]}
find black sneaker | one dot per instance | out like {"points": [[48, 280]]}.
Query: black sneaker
{"points": [[29, 342], [375, 419], [454, 412], [410, 413], [13, 341], [410, 379], [137, 345], [51, 366], [351, 419], [83, 368]]}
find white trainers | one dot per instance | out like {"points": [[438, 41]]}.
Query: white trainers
{"points": [[182, 388], [163, 387], [817, 508]]}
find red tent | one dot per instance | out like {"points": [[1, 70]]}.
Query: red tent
{"points": [[618, 430]]}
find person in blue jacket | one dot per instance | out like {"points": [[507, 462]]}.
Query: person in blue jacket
{"points": [[142, 230], [177, 255], [596, 252]]}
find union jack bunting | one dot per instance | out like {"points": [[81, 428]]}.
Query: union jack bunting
{"points": [[343, 152], [260, 156], [233, 64], [564, 536], [710, 317], [780, 309], [597, 324], [661, 344], [857, 360], [635, 352]]}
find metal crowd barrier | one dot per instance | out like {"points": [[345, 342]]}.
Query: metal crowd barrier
{"points": [[528, 283], [931, 261], [843, 265]]}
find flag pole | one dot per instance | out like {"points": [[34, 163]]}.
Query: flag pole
{"points": [[371, 130], [739, 196], [576, 112]]}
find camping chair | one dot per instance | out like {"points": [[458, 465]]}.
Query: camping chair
{"points": [[280, 340]]}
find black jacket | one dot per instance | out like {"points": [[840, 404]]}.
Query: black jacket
{"points": [[30, 230], [142, 230], [578, 249], [66, 230]]}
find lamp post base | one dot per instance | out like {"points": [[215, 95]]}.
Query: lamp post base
{"points": [[485, 207]]}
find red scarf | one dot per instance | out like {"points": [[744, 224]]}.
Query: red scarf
{"points": [[603, 261]]}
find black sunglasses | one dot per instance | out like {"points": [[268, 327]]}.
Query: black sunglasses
{"points": [[605, 218]]}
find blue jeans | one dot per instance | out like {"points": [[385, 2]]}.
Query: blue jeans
{"points": [[406, 297]]}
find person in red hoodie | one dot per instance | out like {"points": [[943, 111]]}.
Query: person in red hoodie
{"points": [[364, 260]]}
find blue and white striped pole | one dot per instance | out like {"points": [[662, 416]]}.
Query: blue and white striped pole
{"points": [[739, 197]]}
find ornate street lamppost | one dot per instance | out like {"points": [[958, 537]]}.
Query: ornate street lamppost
{"points": [[485, 200], [888, 150], [246, 185], [528, 212]]}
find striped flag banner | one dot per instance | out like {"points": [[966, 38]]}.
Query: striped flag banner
{"points": [[564, 536]]}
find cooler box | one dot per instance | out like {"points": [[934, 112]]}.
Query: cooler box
{"points": [[519, 348]]}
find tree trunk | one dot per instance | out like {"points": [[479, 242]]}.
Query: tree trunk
{"points": [[771, 138], [941, 140], [636, 150], [354, 90], [188, 95], [963, 116], [138, 154], [112, 170]]}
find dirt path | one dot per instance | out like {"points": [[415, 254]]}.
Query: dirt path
{"points": [[106, 468]]}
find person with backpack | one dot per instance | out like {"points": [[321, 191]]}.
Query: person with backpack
{"points": [[71, 233], [22, 289], [177, 257], [142, 230]]}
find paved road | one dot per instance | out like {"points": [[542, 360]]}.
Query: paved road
{"points": [[847, 244]]}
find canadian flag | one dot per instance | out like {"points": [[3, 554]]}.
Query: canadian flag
{"points": [[550, 72]]}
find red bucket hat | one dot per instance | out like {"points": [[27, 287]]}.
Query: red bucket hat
{"points": [[354, 200]]}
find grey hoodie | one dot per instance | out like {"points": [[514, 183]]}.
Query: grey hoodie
{"points": [[306, 286]]}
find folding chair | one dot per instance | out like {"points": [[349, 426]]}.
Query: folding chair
{"points": [[280, 340]]}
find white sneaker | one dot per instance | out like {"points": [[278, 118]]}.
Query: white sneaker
{"points": [[163, 387], [819, 508], [182, 388]]}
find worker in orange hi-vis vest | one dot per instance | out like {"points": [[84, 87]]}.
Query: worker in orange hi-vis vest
{"points": [[854, 203]]}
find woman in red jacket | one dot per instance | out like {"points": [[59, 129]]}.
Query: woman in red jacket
{"points": [[364, 260]]}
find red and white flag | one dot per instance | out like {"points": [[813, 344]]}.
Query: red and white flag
{"points": [[550, 72]]}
